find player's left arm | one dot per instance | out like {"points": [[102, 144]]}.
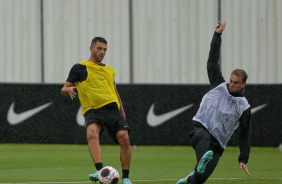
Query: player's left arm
{"points": [[121, 106], [245, 139]]}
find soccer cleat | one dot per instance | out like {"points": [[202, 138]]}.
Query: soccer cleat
{"points": [[184, 180], [126, 181], [94, 177], [203, 162]]}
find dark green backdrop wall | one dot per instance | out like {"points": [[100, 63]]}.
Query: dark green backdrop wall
{"points": [[59, 121]]}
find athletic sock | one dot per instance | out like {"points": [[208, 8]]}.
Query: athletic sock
{"points": [[99, 166], [125, 173]]}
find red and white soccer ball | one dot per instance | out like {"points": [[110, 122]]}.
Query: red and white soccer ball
{"points": [[108, 175]]}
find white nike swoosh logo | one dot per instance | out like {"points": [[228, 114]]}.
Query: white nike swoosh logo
{"points": [[16, 118], [255, 109], [80, 117], [155, 120]]}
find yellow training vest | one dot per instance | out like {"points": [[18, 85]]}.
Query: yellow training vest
{"points": [[98, 89]]}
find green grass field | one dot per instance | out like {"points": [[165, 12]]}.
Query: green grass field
{"points": [[31, 163]]}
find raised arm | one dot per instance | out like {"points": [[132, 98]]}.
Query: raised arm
{"points": [[213, 68]]}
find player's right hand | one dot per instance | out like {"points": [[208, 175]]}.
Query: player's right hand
{"points": [[71, 91]]}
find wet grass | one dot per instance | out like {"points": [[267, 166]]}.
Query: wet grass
{"points": [[22, 163]]}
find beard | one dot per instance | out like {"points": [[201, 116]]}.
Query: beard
{"points": [[98, 58]]}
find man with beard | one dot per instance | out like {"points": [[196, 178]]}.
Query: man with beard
{"points": [[102, 106]]}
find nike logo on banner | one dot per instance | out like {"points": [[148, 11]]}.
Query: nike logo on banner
{"points": [[79, 117], [255, 109], [155, 120], [16, 118]]}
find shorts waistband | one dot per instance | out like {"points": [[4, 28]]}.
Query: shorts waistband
{"points": [[112, 105]]}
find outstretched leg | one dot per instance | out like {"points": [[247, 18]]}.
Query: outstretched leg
{"points": [[207, 156], [203, 171]]}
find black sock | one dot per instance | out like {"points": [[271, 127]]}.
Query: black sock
{"points": [[99, 166], [125, 173]]}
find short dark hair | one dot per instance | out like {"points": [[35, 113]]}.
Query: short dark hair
{"points": [[240, 73], [98, 39]]}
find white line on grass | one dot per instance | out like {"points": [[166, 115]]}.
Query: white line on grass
{"points": [[142, 180], [49, 182]]}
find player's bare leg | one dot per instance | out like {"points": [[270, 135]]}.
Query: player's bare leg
{"points": [[125, 151], [125, 154], [92, 132]]}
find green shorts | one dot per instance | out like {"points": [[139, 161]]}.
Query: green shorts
{"points": [[107, 116]]}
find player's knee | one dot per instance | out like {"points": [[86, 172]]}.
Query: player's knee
{"points": [[123, 138], [92, 134]]}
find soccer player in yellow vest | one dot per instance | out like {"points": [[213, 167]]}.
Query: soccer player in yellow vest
{"points": [[102, 106]]}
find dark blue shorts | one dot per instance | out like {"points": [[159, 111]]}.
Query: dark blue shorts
{"points": [[108, 117]]}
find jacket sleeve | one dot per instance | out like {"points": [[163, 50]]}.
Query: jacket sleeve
{"points": [[213, 67], [245, 136]]}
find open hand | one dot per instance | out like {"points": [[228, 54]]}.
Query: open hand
{"points": [[242, 165], [71, 91], [220, 27]]}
